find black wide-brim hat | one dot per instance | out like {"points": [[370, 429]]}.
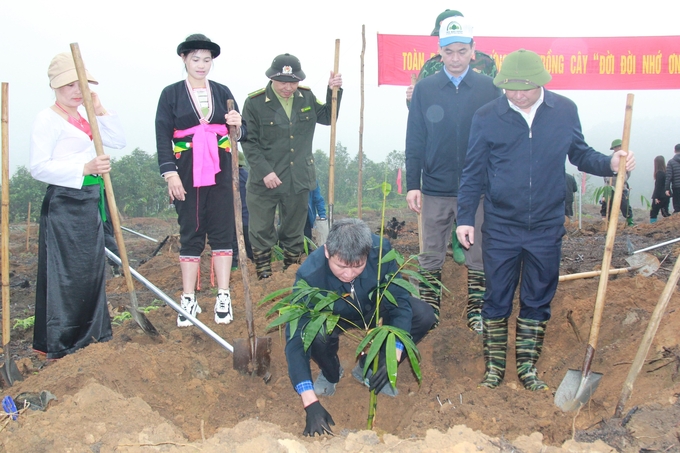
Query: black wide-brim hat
{"points": [[286, 68], [198, 41]]}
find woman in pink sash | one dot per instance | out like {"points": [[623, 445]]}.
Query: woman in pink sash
{"points": [[194, 156], [70, 307]]}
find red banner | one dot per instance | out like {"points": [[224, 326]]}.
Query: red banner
{"points": [[640, 63]]}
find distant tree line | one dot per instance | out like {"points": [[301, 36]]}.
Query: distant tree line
{"points": [[137, 185], [347, 180], [141, 192]]}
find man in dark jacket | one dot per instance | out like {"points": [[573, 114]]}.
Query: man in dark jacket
{"points": [[279, 152], [436, 141], [673, 179], [518, 145], [348, 265]]}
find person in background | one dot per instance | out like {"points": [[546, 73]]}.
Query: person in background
{"points": [[316, 208], [518, 145], [192, 139], [436, 143], [659, 198], [572, 187], [673, 179], [70, 299], [626, 209], [282, 118], [243, 177], [347, 264]]}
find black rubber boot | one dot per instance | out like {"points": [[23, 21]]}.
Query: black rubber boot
{"points": [[263, 263], [476, 287], [432, 296], [290, 258], [528, 346], [495, 340]]}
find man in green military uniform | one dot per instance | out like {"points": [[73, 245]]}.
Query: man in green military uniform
{"points": [[278, 149]]}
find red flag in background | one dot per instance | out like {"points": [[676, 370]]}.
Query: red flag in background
{"points": [[399, 181], [583, 182]]}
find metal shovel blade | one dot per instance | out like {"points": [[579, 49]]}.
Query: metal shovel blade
{"points": [[244, 361], [9, 372], [575, 389], [646, 263]]}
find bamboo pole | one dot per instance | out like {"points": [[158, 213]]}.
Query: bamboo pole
{"points": [[361, 127], [414, 79], [28, 225], [5, 217], [334, 119]]}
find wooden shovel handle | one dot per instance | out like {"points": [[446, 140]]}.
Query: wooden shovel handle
{"points": [[568, 277], [99, 148], [609, 242], [242, 258], [646, 342], [334, 118]]}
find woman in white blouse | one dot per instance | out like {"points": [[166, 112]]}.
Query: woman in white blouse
{"points": [[70, 309]]}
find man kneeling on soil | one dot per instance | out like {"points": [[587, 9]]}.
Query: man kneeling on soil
{"points": [[347, 265]]}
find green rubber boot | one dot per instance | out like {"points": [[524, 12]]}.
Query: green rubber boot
{"points": [[290, 258], [476, 288], [458, 255], [528, 346], [495, 341], [263, 263], [432, 296]]}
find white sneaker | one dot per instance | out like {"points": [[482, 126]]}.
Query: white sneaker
{"points": [[223, 313], [188, 302]]}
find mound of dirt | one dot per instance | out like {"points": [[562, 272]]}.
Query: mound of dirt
{"points": [[179, 392]]}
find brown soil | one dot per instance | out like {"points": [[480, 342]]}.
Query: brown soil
{"points": [[180, 393]]}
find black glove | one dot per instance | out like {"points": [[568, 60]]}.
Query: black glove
{"points": [[318, 420], [380, 378]]}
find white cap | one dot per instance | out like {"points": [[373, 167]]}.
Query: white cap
{"points": [[455, 29]]}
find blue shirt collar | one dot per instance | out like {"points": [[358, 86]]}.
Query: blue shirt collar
{"points": [[456, 80]]}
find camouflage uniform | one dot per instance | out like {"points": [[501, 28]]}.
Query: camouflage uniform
{"points": [[481, 63]]}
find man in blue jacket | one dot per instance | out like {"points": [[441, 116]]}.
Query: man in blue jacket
{"points": [[518, 146], [436, 141], [348, 265], [316, 207]]}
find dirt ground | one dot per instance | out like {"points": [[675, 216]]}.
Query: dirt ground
{"points": [[179, 392]]}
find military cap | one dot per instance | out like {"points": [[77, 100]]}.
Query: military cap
{"points": [[286, 68]]}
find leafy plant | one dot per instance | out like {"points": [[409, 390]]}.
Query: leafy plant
{"points": [[24, 324], [120, 318], [644, 201], [313, 307]]}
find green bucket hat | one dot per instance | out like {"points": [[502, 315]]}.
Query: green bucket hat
{"points": [[445, 15], [616, 143], [522, 70]]}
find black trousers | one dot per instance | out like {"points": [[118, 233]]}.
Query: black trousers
{"points": [[324, 348]]}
